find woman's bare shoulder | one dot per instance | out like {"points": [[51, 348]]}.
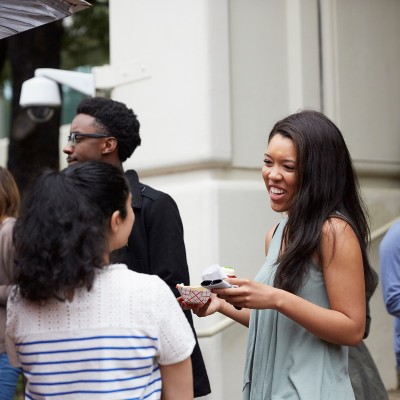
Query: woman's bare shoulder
{"points": [[336, 225]]}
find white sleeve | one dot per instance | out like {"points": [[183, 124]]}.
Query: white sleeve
{"points": [[176, 339], [9, 337]]}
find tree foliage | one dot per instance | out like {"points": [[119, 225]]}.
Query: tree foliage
{"points": [[86, 38]]}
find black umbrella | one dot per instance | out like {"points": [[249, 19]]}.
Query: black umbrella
{"points": [[19, 15]]}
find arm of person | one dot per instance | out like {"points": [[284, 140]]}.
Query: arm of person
{"points": [[6, 260], [12, 352], [177, 381], [215, 304], [243, 314], [342, 265], [4, 292], [389, 253], [10, 340]]}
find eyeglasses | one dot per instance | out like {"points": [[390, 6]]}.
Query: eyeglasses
{"points": [[73, 136]]}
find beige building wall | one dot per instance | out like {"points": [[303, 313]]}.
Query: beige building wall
{"points": [[208, 78], [216, 76]]}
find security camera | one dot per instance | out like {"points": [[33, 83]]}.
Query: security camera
{"points": [[40, 114], [40, 96]]}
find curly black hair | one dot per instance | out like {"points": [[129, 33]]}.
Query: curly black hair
{"points": [[115, 119], [61, 235]]}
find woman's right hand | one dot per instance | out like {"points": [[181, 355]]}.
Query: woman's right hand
{"points": [[212, 306], [216, 304]]}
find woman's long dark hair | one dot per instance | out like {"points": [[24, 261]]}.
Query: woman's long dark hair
{"points": [[327, 184], [61, 235]]}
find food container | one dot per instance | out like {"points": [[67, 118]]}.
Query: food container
{"points": [[194, 294]]}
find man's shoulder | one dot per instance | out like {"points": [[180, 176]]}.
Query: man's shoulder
{"points": [[151, 193], [146, 191]]}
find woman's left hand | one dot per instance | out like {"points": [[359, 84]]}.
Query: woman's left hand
{"points": [[248, 294]]}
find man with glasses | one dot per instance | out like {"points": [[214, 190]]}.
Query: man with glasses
{"points": [[107, 130]]}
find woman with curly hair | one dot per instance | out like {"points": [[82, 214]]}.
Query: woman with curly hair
{"points": [[80, 327]]}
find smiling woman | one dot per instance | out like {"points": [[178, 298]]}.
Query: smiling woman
{"points": [[307, 304]]}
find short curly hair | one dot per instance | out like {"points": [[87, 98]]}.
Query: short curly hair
{"points": [[116, 119]]}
